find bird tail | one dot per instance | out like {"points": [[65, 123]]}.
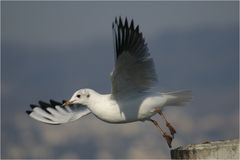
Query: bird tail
{"points": [[178, 98]]}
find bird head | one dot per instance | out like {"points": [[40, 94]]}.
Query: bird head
{"points": [[81, 96]]}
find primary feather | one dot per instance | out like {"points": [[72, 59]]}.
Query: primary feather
{"points": [[55, 113], [134, 70]]}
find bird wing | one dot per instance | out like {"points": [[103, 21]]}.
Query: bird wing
{"points": [[134, 70], [55, 113]]}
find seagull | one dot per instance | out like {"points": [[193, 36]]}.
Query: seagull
{"points": [[132, 97]]}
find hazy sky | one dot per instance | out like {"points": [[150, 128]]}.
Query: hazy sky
{"points": [[51, 49]]}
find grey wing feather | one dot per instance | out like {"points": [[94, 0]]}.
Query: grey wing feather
{"points": [[134, 70], [55, 113]]}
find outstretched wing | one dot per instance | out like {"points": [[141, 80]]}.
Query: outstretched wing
{"points": [[134, 70], [55, 113]]}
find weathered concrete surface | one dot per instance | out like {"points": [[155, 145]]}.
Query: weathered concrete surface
{"points": [[227, 149]]}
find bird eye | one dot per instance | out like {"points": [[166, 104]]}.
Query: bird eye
{"points": [[88, 95], [78, 96]]}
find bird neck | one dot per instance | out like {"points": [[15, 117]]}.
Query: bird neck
{"points": [[97, 100]]}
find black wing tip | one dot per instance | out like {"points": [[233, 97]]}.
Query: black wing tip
{"points": [[132, 24], [33, 106], [124, 22], [119, 19], [42, 103], [137, 29], [28, 112], [129, 38], [55, 103], [120, 22]]}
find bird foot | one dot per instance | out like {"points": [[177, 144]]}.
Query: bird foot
{"points": [[168, 138], [170, 127]]}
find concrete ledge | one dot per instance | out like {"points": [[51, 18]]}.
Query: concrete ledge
{"points": [[227, 149]]}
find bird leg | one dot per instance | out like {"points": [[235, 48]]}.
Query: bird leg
{"points": [[170, 127], [167, 137]]}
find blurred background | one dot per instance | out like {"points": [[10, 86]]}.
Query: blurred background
{"points": [[51, 49]]}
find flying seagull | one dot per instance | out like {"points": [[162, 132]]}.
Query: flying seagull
{"points": [[132, 97]]}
